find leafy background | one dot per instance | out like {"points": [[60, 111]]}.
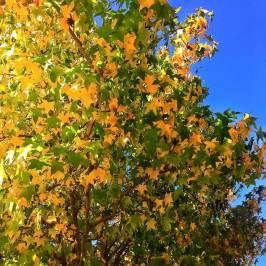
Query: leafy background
{"points": [[236, 75]]}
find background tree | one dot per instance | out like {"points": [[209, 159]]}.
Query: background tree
{"points": [[108, 155]]}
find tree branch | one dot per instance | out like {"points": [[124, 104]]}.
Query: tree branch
{"points": [[79, 44], [120, 250], [87, 224], [75, 221]]}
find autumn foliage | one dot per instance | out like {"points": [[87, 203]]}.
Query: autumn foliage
{"points": [[108, 155]]}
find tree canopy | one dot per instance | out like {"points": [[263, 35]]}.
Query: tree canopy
{"points": [[108, 155]]}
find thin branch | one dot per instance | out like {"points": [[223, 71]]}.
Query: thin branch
{"points": [[90, 127], [72, 33], [75, 221], [124, 245], [87, 224], [20, 136], [79, 44], [103, 219]]}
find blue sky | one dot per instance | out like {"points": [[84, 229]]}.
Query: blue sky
{"points": [[236, 75]]}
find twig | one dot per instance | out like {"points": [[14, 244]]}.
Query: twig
{"points": [[79, 44]]}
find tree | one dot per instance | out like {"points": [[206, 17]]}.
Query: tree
{"points": [[108, 154]]}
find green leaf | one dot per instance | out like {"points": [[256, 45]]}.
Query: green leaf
{"points": [[52, 122], [177, 10], [3, 241], [55, 5], [99, 130], [29, 192], [68, 134], [115, 190], [57, 166], [36, 164], [166, 223], [127, 202], [151, 140], [76, 159], [99, 196], [55, 72]]}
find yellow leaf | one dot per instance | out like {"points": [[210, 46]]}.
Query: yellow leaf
{"points": [[64, 118], [121, 109], [39, 241], [145, 3], [129, 42], [66, 9], [142, 188], [193, 226], [66, 12], [166, 257], [234, 134], [106, 163], [59, 227], [110, 69], [247, 116], [151, 87], [261, 153], [98, 174], [192, 119], [51, 219], [42, 197], [47, 106], [58, 176], [91, 178], [101, 174], [47, 137], [195, 139], [16, 141], [143, 217], [162, 210], [169, 106], [80, 143], [168, 198], [151, 224], [86, 97], [182, 71], [153, 105], [202, 22], [36, 180], [166, 129], [3, 175], [145, 205], [113, 103], [112, 119], [21, 247], [23, 202], [210, 145], [36, 259], [158, 202], [108, 139], [56, 200], [153, 174]]}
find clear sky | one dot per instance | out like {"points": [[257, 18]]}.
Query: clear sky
{"points": [[236, 75]]}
